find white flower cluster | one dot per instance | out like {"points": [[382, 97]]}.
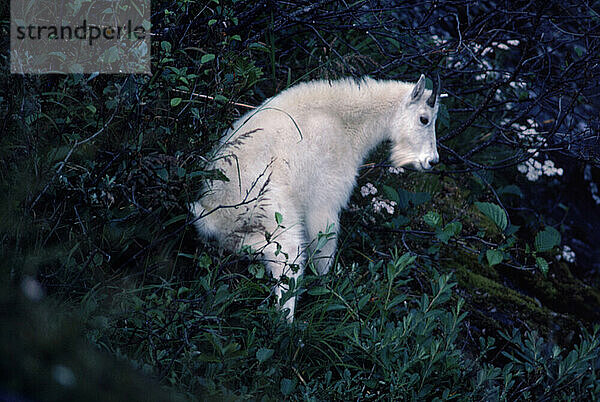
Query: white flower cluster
{"points": [[437, 40], [368, 189], [587, 175], [517, 85], [495, 45], [489, 71], [394, 170], [528, 132], [487, 68], [567, 254], [485, 63], [380, 204], [532, 168]]}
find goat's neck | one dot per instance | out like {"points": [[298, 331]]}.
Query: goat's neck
{"points": [[368, 113]]}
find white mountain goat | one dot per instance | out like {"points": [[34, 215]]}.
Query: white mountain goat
{"points": [[292, 165]]}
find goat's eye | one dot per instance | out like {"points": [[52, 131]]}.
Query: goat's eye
{"points": [[424, 120]]}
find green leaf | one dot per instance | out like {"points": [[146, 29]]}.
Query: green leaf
{"points": [[196, 113], [391, 271], [405, 260], [207, 57], [397, 222], [511, 230], [494, 257], [182, 290], [186, 255], [264, 354], [362, 302], [397, 300], [546, 239], [220, 98], [166, 46], [542, 265], [451, 229], [420, 198], [406, 198], [175, 101], [318, 291], [495, 213], [258, 46], [257, 270], [162, 173], [287, 386], [278, 218], [391, 194], [204, 261], [177, 218], [211, 22], [433, 219], [511, 189], [444, 116]]}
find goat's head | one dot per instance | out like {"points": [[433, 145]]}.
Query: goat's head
{"points": [[412, 129]]}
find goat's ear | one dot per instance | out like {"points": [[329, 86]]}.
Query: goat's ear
{"points": [[418, 89]]}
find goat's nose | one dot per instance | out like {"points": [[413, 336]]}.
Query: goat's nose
{"points": [[434, 161]]}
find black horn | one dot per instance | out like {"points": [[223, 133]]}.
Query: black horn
{"points": [[434, 93]]}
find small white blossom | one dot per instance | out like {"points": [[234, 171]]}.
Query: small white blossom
{"points": [[513, 42], [567, 254], [534, 169], [594, 191], [368, 189], [517, 85], [64, 375], [533, 175], [550, 170], [394, 170], [587, 176], [379, 205], [437, 40], [587, 173], [500, 45], [32, 288]]}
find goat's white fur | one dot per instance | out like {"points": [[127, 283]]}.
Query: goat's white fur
{"points": [[298, 154]]}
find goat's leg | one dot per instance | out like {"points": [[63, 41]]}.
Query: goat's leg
{"points": [[283, 256], [322, 245]]}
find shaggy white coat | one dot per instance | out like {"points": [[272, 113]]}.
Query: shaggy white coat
{"points": [[298, 155]]}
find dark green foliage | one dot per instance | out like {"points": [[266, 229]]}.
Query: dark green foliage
{"points": [[46, 358]]}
